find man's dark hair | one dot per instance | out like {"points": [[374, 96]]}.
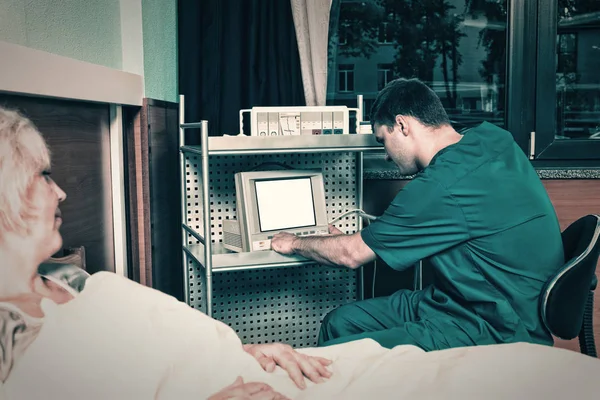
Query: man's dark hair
{"points": [[411, 98]]}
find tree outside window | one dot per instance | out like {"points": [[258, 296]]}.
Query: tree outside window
{"points": [[429, 40]]}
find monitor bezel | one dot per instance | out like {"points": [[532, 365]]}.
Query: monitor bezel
{"points": [[312, 195], [247, 207]]}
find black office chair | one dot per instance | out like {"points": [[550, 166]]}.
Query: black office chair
{"points": [[567, 302]]}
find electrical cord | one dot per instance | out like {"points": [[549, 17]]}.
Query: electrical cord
{"points": [[374, 276], [353, 211], [275, 164]]}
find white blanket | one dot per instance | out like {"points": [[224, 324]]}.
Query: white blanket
{"points": [[121, 340]]}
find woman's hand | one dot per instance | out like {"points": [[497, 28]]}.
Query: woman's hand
{"points": [[239, 390], [296, 364]]}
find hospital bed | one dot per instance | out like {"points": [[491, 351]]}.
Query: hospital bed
{"points": [[118, 339], [121, 340]]}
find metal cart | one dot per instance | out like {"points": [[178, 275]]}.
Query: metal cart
{"points": [[264, 296]]}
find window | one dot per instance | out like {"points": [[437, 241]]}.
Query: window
{"points": [[384, 75], [343, 33], [346, 78], [566, 78], [457, 47], [530, 67], [577, 84], [566, 55], [384, 33], [569, 94]]}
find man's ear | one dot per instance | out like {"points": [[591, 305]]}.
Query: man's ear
{"points": [[403, 123]]}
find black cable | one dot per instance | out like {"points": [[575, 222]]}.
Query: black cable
{"points": [[271, 163]]}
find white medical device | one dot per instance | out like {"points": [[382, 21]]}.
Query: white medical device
{"points": [[300, 120]]}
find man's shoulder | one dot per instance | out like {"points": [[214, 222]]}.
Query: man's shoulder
{"points": [[489, 127], [423, 190], [473, 154]]}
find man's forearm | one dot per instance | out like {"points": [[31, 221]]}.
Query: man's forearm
{"points": [[320, 249], [337, 250]]}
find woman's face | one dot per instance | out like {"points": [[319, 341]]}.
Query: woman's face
{"points": [[45, 221]]}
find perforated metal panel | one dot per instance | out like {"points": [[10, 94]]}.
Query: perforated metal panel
{"points": [[274, 304]]}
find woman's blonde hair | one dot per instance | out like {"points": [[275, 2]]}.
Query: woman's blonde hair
{"points": [[23, 155]]}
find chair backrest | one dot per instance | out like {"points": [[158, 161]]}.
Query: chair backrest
{"points": [[564, 296]]}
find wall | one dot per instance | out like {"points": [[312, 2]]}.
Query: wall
{"points": [[77, 134], [160, 49], [136, 36], [84, 30], [572, 199]]}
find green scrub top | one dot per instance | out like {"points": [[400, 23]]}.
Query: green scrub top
{"points": [[480, 214]]}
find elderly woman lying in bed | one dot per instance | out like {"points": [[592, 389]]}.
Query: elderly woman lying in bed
{"points": [[116, 339], [30, 220]]}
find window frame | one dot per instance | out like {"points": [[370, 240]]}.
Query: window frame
{"points": [[385, 69], [346, 73], [547, 147], [383, 31], [344, 27], [562, 55], [520, 67]]}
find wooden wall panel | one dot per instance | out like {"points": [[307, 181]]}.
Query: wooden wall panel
{"points": [[140, 261], [165, 206], [78, 136], [154, 207], [572, 199]]}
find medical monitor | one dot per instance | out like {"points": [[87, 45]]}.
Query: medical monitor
{"points": [[268, 202]]}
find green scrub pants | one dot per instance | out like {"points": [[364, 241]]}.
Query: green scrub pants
{"points": [[393, 321]]}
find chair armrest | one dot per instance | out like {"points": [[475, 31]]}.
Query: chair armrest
{"points": [[594, 283]]}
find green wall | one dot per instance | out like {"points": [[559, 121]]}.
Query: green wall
{"points": [[84, 30], [90, 30], [160, 49]]}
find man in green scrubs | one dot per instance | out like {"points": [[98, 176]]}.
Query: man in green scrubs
{"points": [[476, 209]]}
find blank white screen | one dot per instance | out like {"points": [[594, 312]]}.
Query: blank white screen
{"points": [[285, 204]]}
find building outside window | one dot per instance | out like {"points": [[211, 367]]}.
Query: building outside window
{"points": [[343, 33], [566, 54], [577, 66], [385, 74], [457, 47], [385, 32], [460, 49], [346, 78]]}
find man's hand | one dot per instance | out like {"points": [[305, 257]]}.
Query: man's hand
{"points": [[334, 231], [283, 243], [239, 390], [296, 364]]}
